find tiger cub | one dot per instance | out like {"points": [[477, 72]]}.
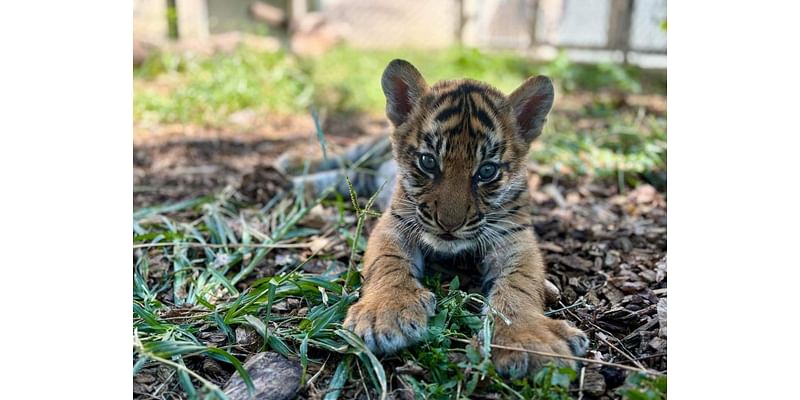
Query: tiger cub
{"points": [[460, 188]]}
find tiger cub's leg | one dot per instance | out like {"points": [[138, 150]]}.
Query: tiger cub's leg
{"points": [[515, 277], [393, 310]]}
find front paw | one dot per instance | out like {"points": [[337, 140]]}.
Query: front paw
{"points": [[391, 320], [538, 334]]}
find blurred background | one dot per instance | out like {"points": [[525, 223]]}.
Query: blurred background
{"points": [[221, 86]]}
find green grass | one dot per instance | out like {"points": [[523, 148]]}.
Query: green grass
{"points": [[626, 150], [206, 90]]}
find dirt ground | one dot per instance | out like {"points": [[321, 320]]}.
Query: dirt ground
{"points": [[606, 251]]}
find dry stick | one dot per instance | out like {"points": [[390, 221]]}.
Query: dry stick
{"points": [[313, 378], [580, 386], [555, 355], [577, 303], [210, 245], [652, 356], [628, 356], [366, 390]]}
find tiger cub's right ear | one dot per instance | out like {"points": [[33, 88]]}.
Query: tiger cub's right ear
{"points": [[403, 86]]}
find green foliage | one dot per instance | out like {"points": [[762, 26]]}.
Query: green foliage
{"points": [[623, 147], [208, 90], [643, 387], [186, 88]]}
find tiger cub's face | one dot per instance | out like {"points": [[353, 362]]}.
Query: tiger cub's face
{"points": [[460, 147]]}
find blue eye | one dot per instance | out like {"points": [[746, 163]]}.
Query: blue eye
{"points": [[427, 163], [487, 171]]}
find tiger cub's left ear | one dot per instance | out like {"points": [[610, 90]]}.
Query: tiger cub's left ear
{"points": [[531, 103]]}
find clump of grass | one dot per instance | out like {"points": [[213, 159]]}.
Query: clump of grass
{"points": [[626, 149], [171, 88]]}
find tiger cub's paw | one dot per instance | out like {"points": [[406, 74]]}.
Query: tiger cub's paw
{"points": [[538, 334], [391, 320]]}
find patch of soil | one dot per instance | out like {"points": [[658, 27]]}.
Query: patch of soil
{"points": [[178, 162]]}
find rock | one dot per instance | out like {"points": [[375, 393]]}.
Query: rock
{"points": [[274, 377]]}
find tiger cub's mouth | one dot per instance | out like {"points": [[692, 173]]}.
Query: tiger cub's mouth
{"points": [[447, 236]]}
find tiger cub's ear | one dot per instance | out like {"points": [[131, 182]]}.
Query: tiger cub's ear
{"points": [[403, 86], [531, 103]]}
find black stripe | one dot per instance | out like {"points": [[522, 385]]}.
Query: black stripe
{"points": [[475, 220], [522, 272], [445, 115], [516, 208], [428, 139], [425, 214], [513, 286], [485, 119], [395, 256], [513, 230]]}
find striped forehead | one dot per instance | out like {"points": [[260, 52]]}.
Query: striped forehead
{"points": [[463, 116]]}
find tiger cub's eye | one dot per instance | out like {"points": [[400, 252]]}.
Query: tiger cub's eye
{"points": [[487, 171], [427, 162]]}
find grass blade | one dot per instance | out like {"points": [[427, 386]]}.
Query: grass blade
{"points": [[360, 349], [339, 378]]}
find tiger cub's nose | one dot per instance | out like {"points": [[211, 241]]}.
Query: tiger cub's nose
{"points": [[450, 223]]}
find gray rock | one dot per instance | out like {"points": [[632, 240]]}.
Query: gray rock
{"points": [[274, 377]]}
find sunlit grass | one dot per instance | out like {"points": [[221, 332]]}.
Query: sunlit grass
{"points": [[172, 88]]}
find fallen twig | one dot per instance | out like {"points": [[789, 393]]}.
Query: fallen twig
{"points": [[607, 343], [582, 359]]}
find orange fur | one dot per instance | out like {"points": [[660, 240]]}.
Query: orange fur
{"points": [[460, 147]]}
